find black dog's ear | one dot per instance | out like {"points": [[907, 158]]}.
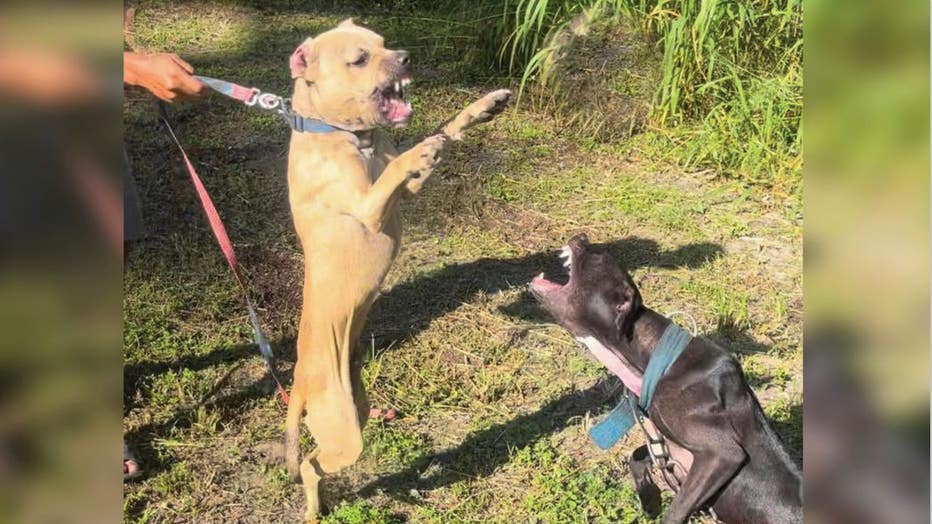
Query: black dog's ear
{"points": [[627, 308]]}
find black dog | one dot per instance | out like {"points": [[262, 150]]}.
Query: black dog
{"points": [[702, 405]]}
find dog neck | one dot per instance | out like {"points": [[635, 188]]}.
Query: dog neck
{"points": [[301, 101], [627, 356], [302, 105], [638, 345]]}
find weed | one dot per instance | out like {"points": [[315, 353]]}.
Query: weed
{"points": [[359, 513], [562, 492], [393, 445], [728, 89], [174, 481]]}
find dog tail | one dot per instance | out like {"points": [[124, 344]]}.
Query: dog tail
{"points": [[293, 432]]}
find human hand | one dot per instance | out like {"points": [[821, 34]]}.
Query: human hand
{"points": [[165, 75], [48, 78]]}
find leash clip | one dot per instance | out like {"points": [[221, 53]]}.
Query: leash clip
{"points": [[284, 105], [253, 97], [269, 101]]}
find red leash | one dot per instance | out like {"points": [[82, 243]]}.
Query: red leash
{"points": [[227, 247]]}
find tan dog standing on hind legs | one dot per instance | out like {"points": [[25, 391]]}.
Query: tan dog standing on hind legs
{"points": [[345, 187]]}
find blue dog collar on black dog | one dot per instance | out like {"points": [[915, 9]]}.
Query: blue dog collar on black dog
{"points": [[620, 420]]}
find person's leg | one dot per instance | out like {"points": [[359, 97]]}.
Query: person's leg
{"points": [[133, 229], [133, 226]]}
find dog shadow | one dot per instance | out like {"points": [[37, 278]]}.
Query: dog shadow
{"points": [[409, 307], [404, 312], [481, 453]]}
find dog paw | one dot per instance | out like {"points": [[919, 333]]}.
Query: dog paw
{"points": [[425, 156], [490, 105], [480, 111]]}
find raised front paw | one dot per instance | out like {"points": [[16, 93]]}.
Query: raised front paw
{"points": [[480, 111], [485, 108], [421, 159]]}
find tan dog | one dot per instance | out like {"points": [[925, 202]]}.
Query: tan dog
{"points": [[345, 188]]}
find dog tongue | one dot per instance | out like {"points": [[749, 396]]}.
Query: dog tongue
{"points": [[398, 110]]}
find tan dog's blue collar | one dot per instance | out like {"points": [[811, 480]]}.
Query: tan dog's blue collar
{"points": [[252, 96], [304, 124]]}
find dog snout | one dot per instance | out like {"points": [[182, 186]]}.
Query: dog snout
{"points": [[579, 242], [403, 62]]}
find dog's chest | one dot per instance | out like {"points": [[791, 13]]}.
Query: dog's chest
{"points": [[374, 165], [371, 156]]}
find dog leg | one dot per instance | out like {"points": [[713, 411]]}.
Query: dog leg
{"points": [[293, 428], [712, 468], [360, 399], [647, 491], [310, 477], [480, 111], [415, 163], [334, 425]]}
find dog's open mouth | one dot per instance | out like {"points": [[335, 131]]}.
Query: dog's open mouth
{"points": [[392, 101], [542, 286]]}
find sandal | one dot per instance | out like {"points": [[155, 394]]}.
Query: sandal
{"points": [[383, 414], [131, 468]]}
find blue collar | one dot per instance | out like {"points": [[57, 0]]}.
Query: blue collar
{"points": [[305, 124], [671, 344], [616, 424]]}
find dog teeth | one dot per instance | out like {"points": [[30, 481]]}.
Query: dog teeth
{"points": [[541, 275], [397, 87], [566, 263], [405, 82]]}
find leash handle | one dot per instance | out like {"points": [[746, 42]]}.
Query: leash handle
{"points": [[220, 233]]}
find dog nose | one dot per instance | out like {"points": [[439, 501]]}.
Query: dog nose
{"points": [[579, 241], [403, 58]]}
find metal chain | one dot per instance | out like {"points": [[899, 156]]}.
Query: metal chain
{"points": [[663, 460]]}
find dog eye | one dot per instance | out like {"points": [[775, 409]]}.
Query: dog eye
{"points": [[361, 61]]}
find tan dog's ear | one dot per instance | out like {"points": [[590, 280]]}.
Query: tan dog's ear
{"points": [[347, 23], [300, 59]]}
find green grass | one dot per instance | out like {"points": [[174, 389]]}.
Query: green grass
{"points": [[562, 491], [360, 513], [725, 87], [493, 396]]}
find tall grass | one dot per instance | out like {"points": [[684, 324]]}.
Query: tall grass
{"points": [[730, 90]]}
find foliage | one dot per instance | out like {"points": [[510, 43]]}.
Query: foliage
{"points": [[729, 92]]}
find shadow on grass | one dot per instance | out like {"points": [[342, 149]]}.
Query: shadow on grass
{"points": [[790, 430], [229, 406], [410, 306], [406, 311], [133, 374], [483, 452]]}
